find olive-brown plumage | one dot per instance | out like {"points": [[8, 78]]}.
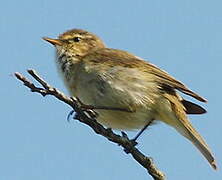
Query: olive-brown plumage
{"points": [[102, 76]]}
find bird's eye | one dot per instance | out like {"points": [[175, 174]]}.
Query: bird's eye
{"points": [[76, 39]]}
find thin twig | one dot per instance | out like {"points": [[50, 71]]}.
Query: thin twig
{"points": [[84, 117]]}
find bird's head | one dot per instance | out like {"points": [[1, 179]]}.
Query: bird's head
{"points": [[76, 42]]}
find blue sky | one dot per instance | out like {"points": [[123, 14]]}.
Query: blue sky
{"points": [[182, 37]]}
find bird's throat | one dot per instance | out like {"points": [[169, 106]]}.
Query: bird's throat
{"points": [[67, 65]]}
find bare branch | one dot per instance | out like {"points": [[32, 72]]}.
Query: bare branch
{"points": [[86, 118]]}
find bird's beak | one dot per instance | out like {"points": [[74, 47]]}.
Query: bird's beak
{"points": [[53, 41]]}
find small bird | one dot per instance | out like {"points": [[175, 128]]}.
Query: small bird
{"points": [[134, 92]]}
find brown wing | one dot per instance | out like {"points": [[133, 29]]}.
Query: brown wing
{"points": [[123, 58], [165, 78]]}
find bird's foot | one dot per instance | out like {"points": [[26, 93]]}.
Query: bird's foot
{"points": [[132, 141], [69, 115], [89, 109]]}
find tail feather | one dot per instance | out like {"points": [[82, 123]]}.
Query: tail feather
{"points": [[184, 127], [190, 133]]}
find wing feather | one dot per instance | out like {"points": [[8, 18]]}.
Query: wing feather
{"points": [[125, 59], [164, 78]]}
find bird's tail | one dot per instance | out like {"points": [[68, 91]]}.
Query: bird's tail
{"points": [[184, 127]]}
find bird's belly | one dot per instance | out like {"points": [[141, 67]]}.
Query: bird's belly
{"points": [[124, 120], [142, 110]]}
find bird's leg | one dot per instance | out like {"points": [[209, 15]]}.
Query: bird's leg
{"points": [[89, 109], [92, 107], [142, 130]]}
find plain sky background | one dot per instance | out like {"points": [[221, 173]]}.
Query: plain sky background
{"points": [[36, 142]]}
